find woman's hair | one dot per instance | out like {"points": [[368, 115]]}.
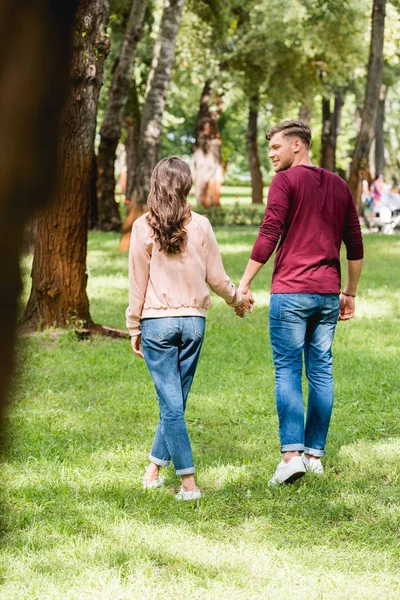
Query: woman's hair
{"points": [[170, 184]]}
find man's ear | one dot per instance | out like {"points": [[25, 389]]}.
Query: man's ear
{"points": [[296, 145]]}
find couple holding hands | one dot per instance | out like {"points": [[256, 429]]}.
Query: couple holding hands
{"points": [[174, 255]]}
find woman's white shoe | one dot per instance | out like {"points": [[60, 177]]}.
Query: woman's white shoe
{"points": [[150, 484], [190, 495]]}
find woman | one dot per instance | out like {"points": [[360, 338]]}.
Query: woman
{"points": [[173, 255]]}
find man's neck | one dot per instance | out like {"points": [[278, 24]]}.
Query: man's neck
{"points": [[301, 159]]}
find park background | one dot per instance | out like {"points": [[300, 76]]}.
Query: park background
{"points": [[204, 80]]}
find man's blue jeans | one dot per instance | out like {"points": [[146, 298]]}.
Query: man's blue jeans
{"points": [[171, 348], [303, 323]]}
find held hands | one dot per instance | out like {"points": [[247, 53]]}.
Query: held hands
{"points": [[136, 343], [247, 305], [347, 308]]}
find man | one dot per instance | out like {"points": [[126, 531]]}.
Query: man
{"points": [[311, 211]]}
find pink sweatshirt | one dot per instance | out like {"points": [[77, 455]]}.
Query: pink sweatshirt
{"points": [[162, 285]]}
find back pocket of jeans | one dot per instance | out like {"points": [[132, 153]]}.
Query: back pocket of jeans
{"points": [[199, 325], [157, 329], [294, 307]]}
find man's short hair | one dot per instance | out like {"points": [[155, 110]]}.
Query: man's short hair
{"points": [[292, 129]]}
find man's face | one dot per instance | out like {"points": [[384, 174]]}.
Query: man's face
{"points": [[282, 151]]}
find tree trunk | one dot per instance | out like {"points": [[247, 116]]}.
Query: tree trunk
{"points": [[207, 152], [327, 160], [257, 186], [379, 135], [29, 128], [58, 296], [150, 130], [93, 212], [132, 138], [305, 113], [110, 132], [359, 163], [330, 131]]}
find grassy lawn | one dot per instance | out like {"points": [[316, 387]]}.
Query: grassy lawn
{"points": [[76, 522]]}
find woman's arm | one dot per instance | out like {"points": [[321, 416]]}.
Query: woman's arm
{"points": [[139, 269]]}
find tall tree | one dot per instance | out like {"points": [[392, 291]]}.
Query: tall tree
{"points": [[253, 159], [110, 131], [379, 133], [359, 165], [150, 128], [207, 151], [58, 295], [330, 130], [29, 127]]}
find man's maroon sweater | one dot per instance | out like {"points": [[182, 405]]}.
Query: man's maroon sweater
{"points": [[311, 210]]}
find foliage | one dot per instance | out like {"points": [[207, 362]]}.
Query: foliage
{"points": [[233, 215], [76, 523]]}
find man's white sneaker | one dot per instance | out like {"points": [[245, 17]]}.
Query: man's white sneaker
{"points": [[313, 464], [288, 472], [150, 484], [190, 495]]}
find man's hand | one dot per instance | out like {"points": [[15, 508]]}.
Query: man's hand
{"points": [[347, 308], [136, 343], [247, 305]]}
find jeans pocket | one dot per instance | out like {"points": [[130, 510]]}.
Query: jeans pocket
{"points": [[294, 307], [156, 329], [330, 310], [199, 326]]}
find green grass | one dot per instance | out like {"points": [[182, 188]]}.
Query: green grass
{"points": [[77, 523]]}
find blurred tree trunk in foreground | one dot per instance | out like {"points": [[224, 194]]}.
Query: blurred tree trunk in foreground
{"points": [[150, 129], [58, 296], [110, 132], [35, 46], [359, 165], [207, 152], [257, 186]]}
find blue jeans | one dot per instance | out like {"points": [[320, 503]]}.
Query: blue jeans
{"points": [[171, 348], [303, 323]]}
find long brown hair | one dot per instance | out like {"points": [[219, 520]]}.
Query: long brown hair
{"points": [[171, 181]]}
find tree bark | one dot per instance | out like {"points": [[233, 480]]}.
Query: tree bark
{"points": [[33, 81], [132, 138], [257, 186], [150, 129], [327, 160], [330, 131], [58, 296], [359, 165], [207, 152], [379, 135], [110, 132]]}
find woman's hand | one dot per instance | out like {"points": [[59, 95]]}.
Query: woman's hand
{"points": [[136, 343], [248, 304]]}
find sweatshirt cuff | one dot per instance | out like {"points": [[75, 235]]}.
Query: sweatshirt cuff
{"points": [[134, 330], [237, 300]]}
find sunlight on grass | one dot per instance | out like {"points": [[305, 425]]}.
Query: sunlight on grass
{"points": [[76, 522]]}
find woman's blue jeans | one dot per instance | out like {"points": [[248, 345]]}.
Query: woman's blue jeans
{"points": [[303, 324], [171, 348]]}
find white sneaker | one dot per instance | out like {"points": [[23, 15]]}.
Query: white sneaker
{"points": [[150, 484], [313, 464], [190, 495], [288, 472]]}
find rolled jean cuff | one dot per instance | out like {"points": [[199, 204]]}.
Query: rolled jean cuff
{"points": [[314, 452], [159, 461], [188, 471], [292, 448]]}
